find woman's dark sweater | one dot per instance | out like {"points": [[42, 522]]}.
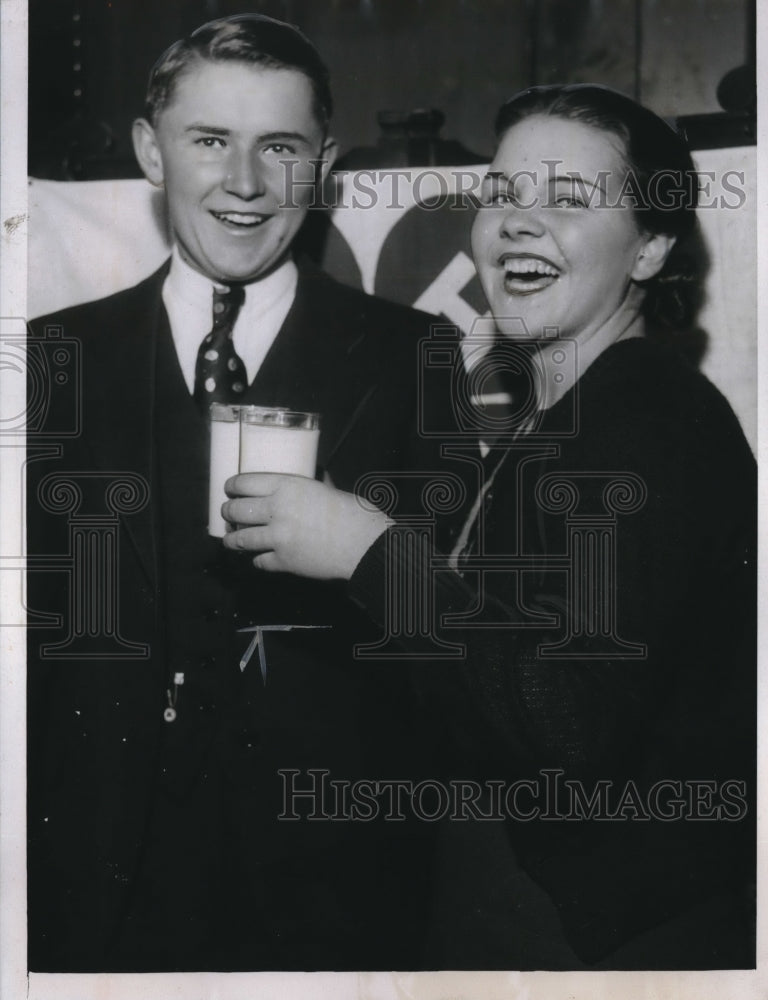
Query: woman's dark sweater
{"points": [[661, 688]]}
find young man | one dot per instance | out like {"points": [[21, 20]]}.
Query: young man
{"points": [[154, 761]]}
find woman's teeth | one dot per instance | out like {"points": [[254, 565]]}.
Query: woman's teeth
{"points": [[528, 274], [521, 266]]}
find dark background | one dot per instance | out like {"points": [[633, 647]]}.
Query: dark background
{"points": [[89, 61]]}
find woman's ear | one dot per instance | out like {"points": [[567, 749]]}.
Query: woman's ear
{"points": [[652, 256], [148, 152]]}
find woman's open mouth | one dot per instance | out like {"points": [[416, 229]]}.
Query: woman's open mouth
{"points": [[525, 274]]}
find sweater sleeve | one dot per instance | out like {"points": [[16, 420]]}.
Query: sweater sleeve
{"points": [[680, 576], [531, 712]]}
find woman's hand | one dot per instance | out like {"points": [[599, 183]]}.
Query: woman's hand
{"points": [[298, 525]]}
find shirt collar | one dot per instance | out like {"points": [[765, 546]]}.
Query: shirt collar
{"points": [[187, 285]]}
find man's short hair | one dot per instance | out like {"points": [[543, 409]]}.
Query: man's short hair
{"points": [[248, 38]]}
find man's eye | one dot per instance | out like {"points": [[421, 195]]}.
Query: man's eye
{"points": [[211, 142], [280, 148]]}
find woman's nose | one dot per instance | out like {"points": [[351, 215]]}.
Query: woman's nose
{"points": [[521, 219], [243, 176]]}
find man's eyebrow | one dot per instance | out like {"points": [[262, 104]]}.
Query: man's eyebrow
{"points": [[263, 137], [274, 136], [208, 129]]}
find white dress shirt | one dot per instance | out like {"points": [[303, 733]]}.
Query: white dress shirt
{"points": [[188, 299]]}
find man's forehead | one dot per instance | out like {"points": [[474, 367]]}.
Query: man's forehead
{"points": [[239, 89]]}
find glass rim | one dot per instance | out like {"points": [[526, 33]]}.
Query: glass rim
{"points": [[279, 416], [224, 412]]}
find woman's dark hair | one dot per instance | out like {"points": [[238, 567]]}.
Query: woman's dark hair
{"points": [[248, 38], [661, 183]]}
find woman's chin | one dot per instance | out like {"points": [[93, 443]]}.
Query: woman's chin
{"points": [[519, 327]]}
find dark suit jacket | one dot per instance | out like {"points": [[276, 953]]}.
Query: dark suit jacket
{"points": [[144, 832]]}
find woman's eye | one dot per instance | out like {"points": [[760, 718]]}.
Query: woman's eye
{"points": [[568, 201], [498, 196]]}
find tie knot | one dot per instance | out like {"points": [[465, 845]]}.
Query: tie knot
{"points": [[227, 303]]}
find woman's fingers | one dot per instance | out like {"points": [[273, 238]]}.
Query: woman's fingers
{"points": [[296, 525], [257, 539], [256, 484], [267, 561], [248, 510]]}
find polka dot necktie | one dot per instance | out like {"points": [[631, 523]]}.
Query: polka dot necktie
{"points": [[220, 375]]}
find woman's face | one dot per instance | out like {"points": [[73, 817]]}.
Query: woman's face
{"points": [[553, 245]]}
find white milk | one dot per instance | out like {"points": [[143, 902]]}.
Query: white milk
{"points": [[271, 448], [225, 457]]}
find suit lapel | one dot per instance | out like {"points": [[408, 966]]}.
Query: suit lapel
{"points": [[313, 365], [119, 396]]}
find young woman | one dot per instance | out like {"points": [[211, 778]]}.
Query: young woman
{"points": [[607, 607]]}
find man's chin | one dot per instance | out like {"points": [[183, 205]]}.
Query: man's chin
{"points": [[231, 271], [234, 265]]}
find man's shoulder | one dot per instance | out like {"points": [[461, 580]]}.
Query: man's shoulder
{"points": [[369, 313], [119, 307]]}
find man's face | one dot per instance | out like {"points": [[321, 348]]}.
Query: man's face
{"points": [[234, 149]]}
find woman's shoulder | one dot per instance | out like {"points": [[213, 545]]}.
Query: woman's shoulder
{"points": [[641, 406], [644, 362], [652, 386]]}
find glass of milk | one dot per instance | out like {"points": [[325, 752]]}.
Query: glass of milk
{"points": [[225, 461], [277, 440]]}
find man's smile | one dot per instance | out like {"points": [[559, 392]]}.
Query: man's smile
{"points": [[241, 220]]}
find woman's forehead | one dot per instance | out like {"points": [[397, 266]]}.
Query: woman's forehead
{"points": [[548, 141]]}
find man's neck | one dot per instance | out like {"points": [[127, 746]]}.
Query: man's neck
{"points": [[186, 280], [188, 298]]}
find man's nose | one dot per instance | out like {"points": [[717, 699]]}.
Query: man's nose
{"points": [[244, 178]]}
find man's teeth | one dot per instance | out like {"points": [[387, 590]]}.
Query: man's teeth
{"points": [[240, 218], [529, 266]]}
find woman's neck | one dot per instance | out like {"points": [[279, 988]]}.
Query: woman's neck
{"points": [[563, 362]]}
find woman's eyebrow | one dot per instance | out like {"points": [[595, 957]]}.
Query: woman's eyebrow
{"points": [[575, 179]]}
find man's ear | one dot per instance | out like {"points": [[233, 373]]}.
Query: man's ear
{"points": [[328, 154], [652, 256], [147, 151]]}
